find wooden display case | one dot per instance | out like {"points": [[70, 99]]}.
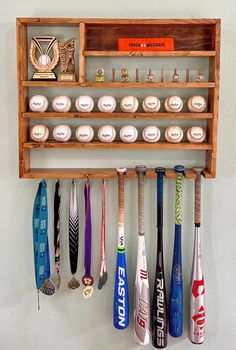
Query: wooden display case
{"points": [[99, 38]]}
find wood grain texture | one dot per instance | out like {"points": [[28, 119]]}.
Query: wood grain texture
{"points": [[118, 144], [117, 115], [142, 85], [22, 69], [106, 173], [149, 53], [82, 47]]}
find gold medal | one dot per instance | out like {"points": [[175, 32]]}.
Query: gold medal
{"points": [[88, 292]]}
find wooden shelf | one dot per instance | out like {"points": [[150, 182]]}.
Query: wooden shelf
{"points": [[165, 85], [117, 115], [106, 173], [99, 38], [119, 144], [149, 53]]}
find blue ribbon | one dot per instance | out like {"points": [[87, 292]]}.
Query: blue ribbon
{"points": [[40, 235]]}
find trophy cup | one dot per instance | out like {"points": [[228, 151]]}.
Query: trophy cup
{"points": [[40, 58], [67, 51]]}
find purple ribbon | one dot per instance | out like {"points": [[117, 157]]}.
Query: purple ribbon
{"points": [[88, 230]]}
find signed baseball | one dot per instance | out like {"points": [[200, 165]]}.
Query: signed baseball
{"points": [[61, 104], [39, 133], [151, 104], [173, 104], [197, 104], [106, 104], [174, 134], [84, 133], [84, 104], [128, 133], [38, 103], [129, 104], [106, 133], [151, 134], [62, 133], [196, 134]]}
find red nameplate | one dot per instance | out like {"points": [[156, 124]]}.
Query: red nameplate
{"points": [[145, 44]]}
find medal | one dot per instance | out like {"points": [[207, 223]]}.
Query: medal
{"points": [[40, 242], [73, 236], [87, 278], [103, 266], [57, 202]]}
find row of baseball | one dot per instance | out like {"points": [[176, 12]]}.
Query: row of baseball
{"points": [[128, 104], [107, 133]]}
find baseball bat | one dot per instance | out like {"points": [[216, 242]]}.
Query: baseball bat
{"points": [[121, 296], [141, 287], [159, 307], [196, 331], [176, 285]]}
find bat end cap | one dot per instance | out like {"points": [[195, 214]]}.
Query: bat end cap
{"points": [[160, 170], [179, 169], [141, 169], [121, 170]]}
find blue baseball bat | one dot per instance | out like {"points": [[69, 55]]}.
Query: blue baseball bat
{"points": [[121, 292], [176, 285]]}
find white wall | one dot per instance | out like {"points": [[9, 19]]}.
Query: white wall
{"points": [[66, 320]]}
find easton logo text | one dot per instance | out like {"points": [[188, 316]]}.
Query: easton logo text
{"points": [[121, 297]]}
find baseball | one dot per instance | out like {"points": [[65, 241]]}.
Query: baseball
{"points": [[174, 134], [62, 133], [151, 104], [151, 134], [84, 104], [196, 134], [44, 60], [39, 133], [197, 104], [61, 104], [106, 133], [129, 104], [128, 133], [84, 133], [106, 104], [38, 103], [173, 104]]}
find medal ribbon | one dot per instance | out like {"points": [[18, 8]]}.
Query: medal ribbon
{"points": [[88, 230], [73, 229], [103, 265], [40, 235], [57, 202]]}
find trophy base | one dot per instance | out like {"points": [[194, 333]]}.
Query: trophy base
{"points": [[44, 76], [66, 77]]}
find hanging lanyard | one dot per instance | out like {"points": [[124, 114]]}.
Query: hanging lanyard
{"points": [[57, 202], [73, 236], [40, 242], [103, 264], [87, 278]]}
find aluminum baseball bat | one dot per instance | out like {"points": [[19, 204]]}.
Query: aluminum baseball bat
{"points": [[159, 307], [176, 285], [141, 288], [196, 332], [121, 296]]}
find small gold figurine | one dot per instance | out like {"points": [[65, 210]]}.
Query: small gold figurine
{"points": [[151, 76], [67, 52], [201, 76], [124, 75], [175, 78], [100, 75]]}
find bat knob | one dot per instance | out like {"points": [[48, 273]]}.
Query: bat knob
{"points": [[141, 169], [198, 170], [121, 170], [160, 170], [179, 169]]}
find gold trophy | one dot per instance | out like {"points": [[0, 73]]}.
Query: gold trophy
{"points": [[42, 58], [67, 51]]}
